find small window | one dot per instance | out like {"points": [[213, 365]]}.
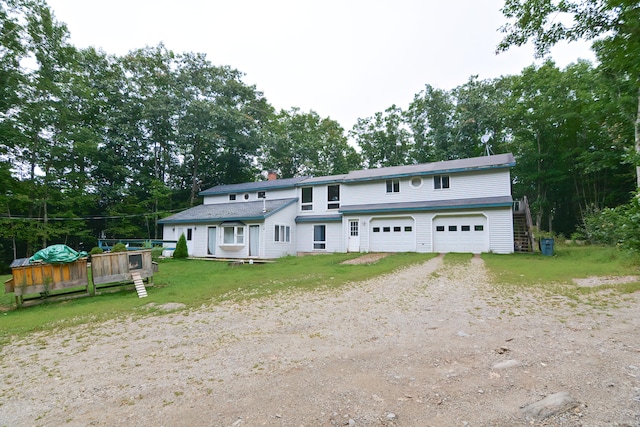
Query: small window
{"points": [[232, 196], [386, 229], [397, 229], [416, 182], [408, 229], [262, 195], [440, 181], [282, 233], [440, 228], [189, 234], [479, 228], [453, 228], [307, 198], [376, 229], [233, 235], [393, 186], [465, 228], [246, 196], [333, 196], [319, 237]]}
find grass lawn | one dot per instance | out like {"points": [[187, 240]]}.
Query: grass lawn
{"points": [[196, 283]]}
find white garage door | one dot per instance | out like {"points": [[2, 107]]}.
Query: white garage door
{"points": [[392, 235], [460, 233]]}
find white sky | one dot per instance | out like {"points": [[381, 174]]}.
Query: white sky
{"points": [[344, 59]]}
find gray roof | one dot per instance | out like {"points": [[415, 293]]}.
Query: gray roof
{"points": [[252, 186], [482, 202], [323, 179], [461, 165], [237, 211]]}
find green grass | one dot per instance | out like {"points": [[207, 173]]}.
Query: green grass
{"points": [[194, 283]]}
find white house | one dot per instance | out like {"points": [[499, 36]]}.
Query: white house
{"points": [[452, 206]]}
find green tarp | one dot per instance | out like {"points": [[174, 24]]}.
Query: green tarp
{"points": [[57, 254]]}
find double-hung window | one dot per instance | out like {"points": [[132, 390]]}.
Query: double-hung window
{"points": [[333, 196], [233, 235], [440, 181], [393, 186], [307, 198], [282, 233]]}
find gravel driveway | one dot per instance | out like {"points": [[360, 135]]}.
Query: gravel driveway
{"points": [[431, 345]]}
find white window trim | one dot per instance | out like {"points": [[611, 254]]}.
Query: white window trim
{"points": [[282, 233], [235, 242]]}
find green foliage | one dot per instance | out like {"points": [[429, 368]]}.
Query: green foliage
{"points": [[96, 250], [181, 251], [615, 226], [119, 247]]}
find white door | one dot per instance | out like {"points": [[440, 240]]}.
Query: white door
{"points": [[212, 241], [392, 235], [254, 240], [354, 236], [460, 233]]}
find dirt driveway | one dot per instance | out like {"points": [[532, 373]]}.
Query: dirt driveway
{"points": [[428, 346]]}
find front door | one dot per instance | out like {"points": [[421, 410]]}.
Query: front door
{"points": [[354, 236], [254, 240], [212, 242]]}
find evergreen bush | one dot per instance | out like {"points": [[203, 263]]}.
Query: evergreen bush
{"points": [[181, 251], [119, 247]]}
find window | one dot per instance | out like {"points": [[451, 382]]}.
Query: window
{"points": [[440, 181], [453, 228], [386, 229], [282, 233], [393, 186], [233, 235], [262, 195], [465, 228], [408, 229], [376, 229], [478, 227], [440, 228], [189, 234], [232, 196], [246, 196], [397, 229], [319, 237], [307, 198], [353, 227], [333, 196], [416, 182]]}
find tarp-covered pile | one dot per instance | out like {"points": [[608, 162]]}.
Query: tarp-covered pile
{"points": [[57, 254]]}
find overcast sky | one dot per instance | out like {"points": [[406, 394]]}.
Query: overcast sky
{"points": [[344, 59]]}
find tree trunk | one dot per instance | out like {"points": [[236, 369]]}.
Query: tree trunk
{"points": [[636, 127]]}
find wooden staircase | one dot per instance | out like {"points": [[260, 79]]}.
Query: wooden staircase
{"points": [[522, 226], [140, 289]]}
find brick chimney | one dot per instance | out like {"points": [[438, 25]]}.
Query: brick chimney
{"points": [[272, 176]]}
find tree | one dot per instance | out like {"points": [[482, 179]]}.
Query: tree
{"points": [[181, 251], [613, 24]]}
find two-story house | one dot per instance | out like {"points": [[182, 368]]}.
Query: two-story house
{"points": [[452, 206]]}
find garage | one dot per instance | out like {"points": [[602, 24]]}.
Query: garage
{"points": [[392, 234], [460, 233]]}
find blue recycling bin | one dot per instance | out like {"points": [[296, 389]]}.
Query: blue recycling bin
{"points": [[546, 246]]}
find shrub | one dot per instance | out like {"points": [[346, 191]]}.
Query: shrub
{"points": [[119, 247], [181, 251], [615, 226], [96, 250]]}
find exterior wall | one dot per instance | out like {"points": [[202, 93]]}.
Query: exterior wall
{"points": [[269, 247], [279, 193], [320, 201], [501, 231], [467, 185], [334, 239]]}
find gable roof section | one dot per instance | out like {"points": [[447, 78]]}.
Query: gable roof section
{"points": [[449, 166], [431, 205], [238, 211], [253, 186]]}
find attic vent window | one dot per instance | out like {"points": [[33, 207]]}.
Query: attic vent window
{"points": [[416, 182], [246, 196]]}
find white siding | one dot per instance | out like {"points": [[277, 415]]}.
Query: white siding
{"points": [[334, 240], [465, 185], [273, 249], [500, 231], [282, 193], [320, 202]]}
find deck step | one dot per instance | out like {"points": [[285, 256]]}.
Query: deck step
{"points": [[137, 280]]}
